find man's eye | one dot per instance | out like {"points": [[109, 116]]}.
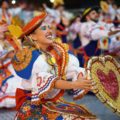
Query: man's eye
{"points": [[43, 28]]}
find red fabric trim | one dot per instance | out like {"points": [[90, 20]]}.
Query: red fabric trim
{"points": [[55, 98], [60, 33], [4, 66], [21, 97], [6, 97], [33, 23], [61, 27]]}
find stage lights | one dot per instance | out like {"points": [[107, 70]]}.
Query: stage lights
{"points": [[13, 2], [52, 1]]}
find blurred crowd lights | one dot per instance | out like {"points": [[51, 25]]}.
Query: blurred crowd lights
{"points": [[52, 1], [13, 2]]}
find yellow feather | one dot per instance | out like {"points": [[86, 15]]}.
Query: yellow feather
{"points": [[15, 31], [104, 6], [58, 2]]}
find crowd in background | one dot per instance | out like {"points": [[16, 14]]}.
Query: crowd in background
{"points": [[68, 26], [65, 24]]}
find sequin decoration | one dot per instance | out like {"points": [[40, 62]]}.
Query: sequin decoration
{"points": [[22, 58]]}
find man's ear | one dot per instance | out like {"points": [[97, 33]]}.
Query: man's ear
{"points": [[87, 17]]}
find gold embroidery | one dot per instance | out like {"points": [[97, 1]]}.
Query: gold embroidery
{"points": [[63, 49], [23, 58], [58, 58]]}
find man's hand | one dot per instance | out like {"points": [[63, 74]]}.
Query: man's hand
{"points": [[3, 28], [44, 5], [8, 55]]}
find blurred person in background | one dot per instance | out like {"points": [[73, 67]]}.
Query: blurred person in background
{"points": [[7, 13], [62, 19], [9, 81], [73, 32], [91, 31], [27, 13], [113, 9], [111, 25], [57, 11], [114, 47]]}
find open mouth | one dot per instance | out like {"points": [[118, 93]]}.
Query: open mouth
{"points": [[49, 36]]}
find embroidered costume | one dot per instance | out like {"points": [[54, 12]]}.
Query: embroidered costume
{"points": [[9, 82], [94, 36], [39, 71], [44, 98]]}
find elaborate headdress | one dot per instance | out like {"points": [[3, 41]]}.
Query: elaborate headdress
{"points": [[18, 32]]}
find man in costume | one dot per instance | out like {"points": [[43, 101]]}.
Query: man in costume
{"points": [[44, 72], [91, 31]]}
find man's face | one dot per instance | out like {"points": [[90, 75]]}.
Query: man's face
{"points": [[43, 35], [93, 15], [77, 19], [61, 9], [5, 5]]}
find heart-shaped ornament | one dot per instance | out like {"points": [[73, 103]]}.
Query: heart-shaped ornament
{"points": [[105, 74]]}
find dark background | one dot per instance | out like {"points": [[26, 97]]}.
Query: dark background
{"points": [[69, 4]]}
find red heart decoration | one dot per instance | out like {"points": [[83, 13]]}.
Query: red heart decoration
{"points": [[109, 82]]}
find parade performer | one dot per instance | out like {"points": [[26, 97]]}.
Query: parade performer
{"points": [[73, 34], [7, 16], [9, 81], [6, 13], [44, 70], [62, 18], [91, 31]]}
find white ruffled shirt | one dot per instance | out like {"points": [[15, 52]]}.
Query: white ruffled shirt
{"points": [[43, 76]]}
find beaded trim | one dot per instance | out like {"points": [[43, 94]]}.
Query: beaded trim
{"points": [[22, 58], [64, 57], [105, 64]]}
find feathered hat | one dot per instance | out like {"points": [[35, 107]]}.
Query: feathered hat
{"points": [[18, 32], [28, 28]]}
